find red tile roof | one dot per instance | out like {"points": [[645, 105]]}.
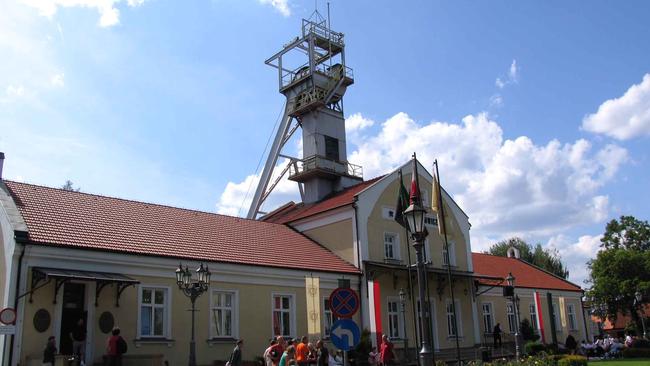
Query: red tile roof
{"points": [[296, 211], [58, 217], [526, 275]]}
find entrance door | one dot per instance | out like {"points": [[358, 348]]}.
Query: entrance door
{"points": [[73, 309]]}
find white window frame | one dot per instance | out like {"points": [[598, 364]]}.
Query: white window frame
{"points": [[427, 251], [571, 316], [327, 323], [385, 212], [395, 315], [292, 313], [452, 253], [459, 320], [426, 201], [488, 317], [167, 306], [533, 317], [234, 313], [512, 318], [556, 318], [396, 246]]}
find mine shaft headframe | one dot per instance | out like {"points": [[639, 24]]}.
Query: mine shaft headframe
{"points": [[318, 42]]}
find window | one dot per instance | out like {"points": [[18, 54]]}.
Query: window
{"points": [[223, 314], [571, 314], [154, 312], [282, 315], [430, 220], [488, 319], [452, 254], [453, 322], [512, 321], [328, 318], [332, 148], [533, 317], [556, 318], [391, 243], [394, 320], [426, 251], [388, 213], [426, 202]]}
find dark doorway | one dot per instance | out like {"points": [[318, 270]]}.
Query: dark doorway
{"points": [[74, 295]]}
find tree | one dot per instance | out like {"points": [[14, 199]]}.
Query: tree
{"points": [[628, 233], [547, 259], [621, 268], [69, 186]]}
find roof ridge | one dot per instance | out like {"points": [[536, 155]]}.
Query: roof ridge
{"points": [[136, 201]]}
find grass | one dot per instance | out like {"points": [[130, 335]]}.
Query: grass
{"points": [[627, 362]]}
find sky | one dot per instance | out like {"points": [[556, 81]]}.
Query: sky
{"points": [[538, 111]]}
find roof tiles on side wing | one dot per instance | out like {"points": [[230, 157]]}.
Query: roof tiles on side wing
{"points": [[56, 217]]}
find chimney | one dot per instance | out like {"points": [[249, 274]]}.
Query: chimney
{"points": [[513, 253], [2, 162]]}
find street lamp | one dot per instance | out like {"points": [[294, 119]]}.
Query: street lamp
{"points": [[193, 289], [515, 304], [402, 300], [638, 296], [414, 215]]}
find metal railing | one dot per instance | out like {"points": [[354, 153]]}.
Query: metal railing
{"points": [[334, 71], [323, 163], [321, 30]]}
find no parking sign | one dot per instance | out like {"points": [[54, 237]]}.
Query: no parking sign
{"points": [[344, 302]]}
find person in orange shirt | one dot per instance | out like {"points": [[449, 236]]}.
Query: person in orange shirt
{"points": [[302, 352]]}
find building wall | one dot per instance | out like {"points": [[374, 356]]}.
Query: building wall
{"points": [[336, 237], [495, 297], [254, 313], [378, 224]]}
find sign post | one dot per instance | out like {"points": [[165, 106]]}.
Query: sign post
{"points": [[345, 333]]}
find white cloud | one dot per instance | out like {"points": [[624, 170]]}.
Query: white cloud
{"points": [[576, 254], [496, 100], [357, 122], [109, 14], [15, 91], [625, 117], [280, 5], [58, 80], [511, 78], [236, 198]]}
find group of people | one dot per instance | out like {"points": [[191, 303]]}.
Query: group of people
{"points": [[607, 347], [281, 352], [115, 346]]}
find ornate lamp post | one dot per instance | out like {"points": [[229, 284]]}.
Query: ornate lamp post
{"points": [[193, 289], [638, 296], [402, 300], [414, 215], [515, 304]]}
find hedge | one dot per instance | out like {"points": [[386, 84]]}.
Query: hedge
{"points": [[533, 348], [572, 361], [636, 352]]}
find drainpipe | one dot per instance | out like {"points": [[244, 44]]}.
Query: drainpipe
{"points": [[20, 269], [363, 275]]}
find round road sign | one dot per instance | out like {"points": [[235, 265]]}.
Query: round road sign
{"points": [[8, 316], [344, 302]]}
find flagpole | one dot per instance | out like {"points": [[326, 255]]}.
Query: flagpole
{"points": [[449, 279]]}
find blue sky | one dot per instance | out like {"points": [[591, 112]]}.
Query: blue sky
{"points": [[539, 112]]}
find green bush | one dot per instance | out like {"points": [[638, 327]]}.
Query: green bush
{"points": [[534, 348], [527, 331], [640, 343], [636, 352], [572, 361]]}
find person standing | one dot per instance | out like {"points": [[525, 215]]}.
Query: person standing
{"points": [[115, 348], [496, 333], [302, 352], [78, 336], [322, 354], [288, 356], [386, 352], [277, 350], [49, 352], [235, 356], [268, 361]]}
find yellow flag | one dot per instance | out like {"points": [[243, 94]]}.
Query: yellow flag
{"points": [[436, 203]]}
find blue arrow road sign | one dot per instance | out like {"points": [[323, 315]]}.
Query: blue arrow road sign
{"points": [[345, 334]]}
